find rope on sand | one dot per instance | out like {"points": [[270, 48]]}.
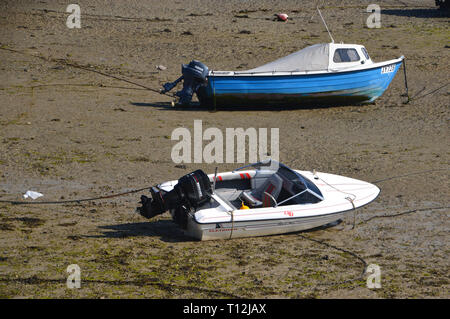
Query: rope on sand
{"points": [[140, 282], [353, 254], [410, 174], [15, 202], [74, 200], [364, 263], [405, 213], [350, 199], [417, 96], [85, 68]]}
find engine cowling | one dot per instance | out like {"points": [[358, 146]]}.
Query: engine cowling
{"points": [[194, 76], [191, 191]]}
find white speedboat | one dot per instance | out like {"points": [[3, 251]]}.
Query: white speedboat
{"points": [[260, 199]]}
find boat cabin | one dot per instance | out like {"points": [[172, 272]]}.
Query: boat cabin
{"points": [[320, 58], [347, 55]]}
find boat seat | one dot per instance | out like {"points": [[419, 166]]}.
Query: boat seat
{"points": [[260, 177], [259, 197]]}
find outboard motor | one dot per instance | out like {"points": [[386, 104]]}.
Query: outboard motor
{"points": [[191, 191], [194, 76]]}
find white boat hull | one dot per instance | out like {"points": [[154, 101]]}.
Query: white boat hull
{"points": [[341, 195], [257, 228]]}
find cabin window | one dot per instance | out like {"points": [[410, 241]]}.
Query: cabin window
{"points": [[345, 55], [366, 54]]}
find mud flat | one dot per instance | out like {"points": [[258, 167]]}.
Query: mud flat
{"points": [[73, 132]]}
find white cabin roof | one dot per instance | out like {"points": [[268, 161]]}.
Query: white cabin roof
{"points": [[318, 57]]}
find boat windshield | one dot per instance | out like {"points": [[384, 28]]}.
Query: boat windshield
{"points": [[296, 189], [366, 54]]}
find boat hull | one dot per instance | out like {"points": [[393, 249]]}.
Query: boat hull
{"points": [[220, 219], [321, 89], [342, 195]]}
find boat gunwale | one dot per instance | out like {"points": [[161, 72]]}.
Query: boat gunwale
{"points": [[237, 222], [293, 207], [214, 74]]}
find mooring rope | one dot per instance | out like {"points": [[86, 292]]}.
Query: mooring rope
{"points": [[140, 282], [405, 213], [232, 224], [349, 198], [13, 202], [364, 263], [409, 174], [406, 81], [416, 97], [354, 210], [85, 68], [319, 178]]}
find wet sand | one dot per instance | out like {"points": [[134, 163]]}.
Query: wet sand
{"points": [[71, 132]]}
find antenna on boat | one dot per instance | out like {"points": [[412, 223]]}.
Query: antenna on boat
{"points": [[323, 20]]}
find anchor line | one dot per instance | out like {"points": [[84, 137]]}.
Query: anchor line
{"points": [[232, 224], [74, 200], [406, 81], [78, 66], [354, 210], [364, 263], [410, 174], [349, 198], [405, 213], [417, 96], [355, 255]]}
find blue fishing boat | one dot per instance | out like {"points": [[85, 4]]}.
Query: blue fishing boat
{"points": [[319, 75]]}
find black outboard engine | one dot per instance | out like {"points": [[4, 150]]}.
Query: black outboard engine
{"points": [[191, 191], [194, 76]]}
